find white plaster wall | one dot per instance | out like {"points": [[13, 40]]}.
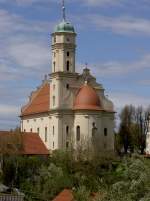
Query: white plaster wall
{"points": [[38, 122], [108, 122]]}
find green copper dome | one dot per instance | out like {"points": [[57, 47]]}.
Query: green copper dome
{"points": [[65, 27]]}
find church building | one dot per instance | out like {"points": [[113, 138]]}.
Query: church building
{"points": [[69, 108]]}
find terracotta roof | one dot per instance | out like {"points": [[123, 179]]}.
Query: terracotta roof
{"points": [[65, 195], [39, 103], [87, 99], [22, 143]]}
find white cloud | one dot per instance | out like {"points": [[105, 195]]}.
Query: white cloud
{"points": [[115, 68], [121, 99]]}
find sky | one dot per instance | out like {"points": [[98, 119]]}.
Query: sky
{"points": [[113, 37]]}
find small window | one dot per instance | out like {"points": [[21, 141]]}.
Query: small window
{"points": [[31, 130], [53, 131], [67, 86], [105, 131], [68, 39], [68, 65], [68, 54], [45, 134], [53, 145], [78, 133], [38, 130], [24, 130], [54, 39]]}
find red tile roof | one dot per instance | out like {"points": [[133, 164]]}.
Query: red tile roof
{"points": [[40, 101], [65, 195], [29, 143]]}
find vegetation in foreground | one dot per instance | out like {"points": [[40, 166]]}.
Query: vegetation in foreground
{"points": [[113, 179]]}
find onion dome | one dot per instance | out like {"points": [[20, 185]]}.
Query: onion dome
{"points": [[64, 27], [87, 99]]}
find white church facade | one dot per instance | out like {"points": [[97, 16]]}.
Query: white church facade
{"points": [[69, 108]]}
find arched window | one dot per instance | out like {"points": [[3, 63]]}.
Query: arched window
{"points": [[54, 64], [53, 131], [31, 130], [68, 53], [105, 132], [53, 100], [45, 134], [78, 133], [67, 130], [24, 130], [68, 65], [67, 86], [54, 39]]}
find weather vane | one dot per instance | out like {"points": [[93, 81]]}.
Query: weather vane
{"points": [[63, 10]]}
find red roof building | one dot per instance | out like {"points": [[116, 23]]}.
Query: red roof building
{"points": [[22, 143]]}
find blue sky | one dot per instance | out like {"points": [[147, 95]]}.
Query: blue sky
{"points": [[113, 38]]}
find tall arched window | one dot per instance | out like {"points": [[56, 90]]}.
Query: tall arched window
{"points": [[78, 133], [53, 131], [105, 131], [53, 100], [54, 64], [45, 134], [68, 65], [67, 131]]}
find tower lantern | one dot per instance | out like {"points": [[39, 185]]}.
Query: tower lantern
{"points": [[63, 46]]}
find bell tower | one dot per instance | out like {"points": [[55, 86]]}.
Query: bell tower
{"points": [[63, 46]]}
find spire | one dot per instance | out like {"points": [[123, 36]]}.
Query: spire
{"points": [[63, 10]]}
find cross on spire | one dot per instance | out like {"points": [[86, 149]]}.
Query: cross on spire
{"points": [[63, 10]]}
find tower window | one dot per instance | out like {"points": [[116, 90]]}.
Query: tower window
{"points": [[105, 132], [24, 130], [68, 53], [68, 39], [68, 65], [53, 100], [38, 130], [31, 130], [67, 86], [55, 39], [45, 134], [54, 64], [53, 145], [78, 133]]}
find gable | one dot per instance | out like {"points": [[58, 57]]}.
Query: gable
{"points": [[39, 103]]}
